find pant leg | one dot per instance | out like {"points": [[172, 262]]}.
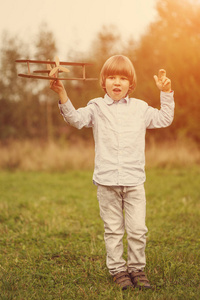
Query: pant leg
{"points": [[135, 214], [111, 212]]}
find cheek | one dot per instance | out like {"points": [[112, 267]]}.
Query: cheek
{"points": [[127, 86], [107, 85], [104, 86]]}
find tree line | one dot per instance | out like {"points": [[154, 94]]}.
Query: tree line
{"points": [[28, 108]]}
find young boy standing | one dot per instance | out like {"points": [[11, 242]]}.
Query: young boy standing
{"points": [[119, 126]]}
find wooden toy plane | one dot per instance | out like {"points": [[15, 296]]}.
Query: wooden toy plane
{"points": [[53, 73]]}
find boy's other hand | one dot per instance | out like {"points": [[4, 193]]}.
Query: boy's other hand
{"points": [[58, 87], [162, 82]]}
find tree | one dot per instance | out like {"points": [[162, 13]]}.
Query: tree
{"points": [[22, 111], [13, 90], [46, 49], [172, 42], [45, 44]]}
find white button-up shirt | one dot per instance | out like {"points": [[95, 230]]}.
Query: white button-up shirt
{"points": [[119, 129]]}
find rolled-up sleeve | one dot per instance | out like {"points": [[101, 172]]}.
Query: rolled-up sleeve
{"points": [[156, 118], [82, 117]]}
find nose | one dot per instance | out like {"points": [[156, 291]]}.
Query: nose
{"points": [[117, 81]]}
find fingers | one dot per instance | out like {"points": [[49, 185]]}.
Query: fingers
{"points": [[166, 87], [161, 74], [156, 78], [162, 77], [165, 81], [52, 84], [162, 82], [55, 84]]}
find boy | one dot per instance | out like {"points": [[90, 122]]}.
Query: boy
{"points": [[119, 125]]}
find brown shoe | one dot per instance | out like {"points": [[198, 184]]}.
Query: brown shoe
{"points": [[123, 280], [140, 280]]}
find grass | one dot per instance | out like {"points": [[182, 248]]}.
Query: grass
{"points": [[51, 236]]}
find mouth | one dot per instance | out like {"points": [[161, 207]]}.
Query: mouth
{"points": [[116, 90]]}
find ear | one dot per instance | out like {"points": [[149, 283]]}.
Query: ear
{"points": [[132, 87], [103, 85]]}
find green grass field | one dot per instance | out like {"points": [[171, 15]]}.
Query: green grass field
{"points": [[51, 237]]}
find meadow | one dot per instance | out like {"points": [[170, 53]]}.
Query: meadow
{"points": [[36, 155], [51, 234]]}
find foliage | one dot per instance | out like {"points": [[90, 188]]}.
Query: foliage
{"points": [[52, 245], [171, 42]]}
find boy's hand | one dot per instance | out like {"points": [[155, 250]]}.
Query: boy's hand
{"points": [[58, 87], [162, 82]]}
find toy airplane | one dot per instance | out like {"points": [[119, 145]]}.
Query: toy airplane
{"points": [[53, 73]]}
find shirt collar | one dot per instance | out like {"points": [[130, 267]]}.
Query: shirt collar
{"points": [[110, 101]]}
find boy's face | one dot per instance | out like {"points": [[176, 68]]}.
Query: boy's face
{"points": [[117, 86]]}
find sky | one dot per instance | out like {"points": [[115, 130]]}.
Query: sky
{"points": [[75, 23]]}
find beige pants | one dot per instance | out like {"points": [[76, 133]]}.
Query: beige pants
{"points": [[113, 201]]}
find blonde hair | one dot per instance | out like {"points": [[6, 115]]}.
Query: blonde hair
{"points": [[118, 65]]}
